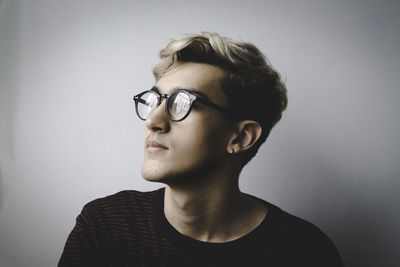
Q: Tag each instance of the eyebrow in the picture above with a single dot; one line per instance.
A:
(190, 90)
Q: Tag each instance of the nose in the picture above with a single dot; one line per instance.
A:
(158, 121)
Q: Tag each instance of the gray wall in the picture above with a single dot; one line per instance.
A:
(69, 134)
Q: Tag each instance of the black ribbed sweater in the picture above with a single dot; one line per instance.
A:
(130, 229)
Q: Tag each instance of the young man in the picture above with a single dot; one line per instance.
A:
(214, 103)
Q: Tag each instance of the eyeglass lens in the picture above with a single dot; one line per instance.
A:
(178, 105)
(146, 104)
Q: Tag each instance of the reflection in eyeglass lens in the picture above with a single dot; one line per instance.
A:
(180, 105)
(151, 103)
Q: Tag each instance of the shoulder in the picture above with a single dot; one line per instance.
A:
(122, 197)
(122, 203)
(300, 237)
(315, 246)
(293, 225)
(285, 225)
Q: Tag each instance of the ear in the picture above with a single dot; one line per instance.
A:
(247, 134)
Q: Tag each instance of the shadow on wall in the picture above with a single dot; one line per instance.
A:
(363, 238)
(10, 12)
(360, 237)
(5, 171)
(345, 201)
(1, 189)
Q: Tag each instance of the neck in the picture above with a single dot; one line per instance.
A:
(214, 210)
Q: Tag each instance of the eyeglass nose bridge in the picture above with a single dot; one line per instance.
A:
(160, 98)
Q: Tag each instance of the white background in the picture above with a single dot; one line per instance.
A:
(69, 133)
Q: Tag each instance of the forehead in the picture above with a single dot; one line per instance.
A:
(195, 76)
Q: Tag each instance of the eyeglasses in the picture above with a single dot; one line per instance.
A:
(178, 105)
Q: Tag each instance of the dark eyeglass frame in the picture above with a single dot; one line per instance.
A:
(193, 98)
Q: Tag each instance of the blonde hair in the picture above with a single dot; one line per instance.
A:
(254, 89)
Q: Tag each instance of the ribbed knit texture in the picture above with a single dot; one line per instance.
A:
(130, 229)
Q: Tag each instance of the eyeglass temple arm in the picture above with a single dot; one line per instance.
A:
(138, 99)
(210, 104)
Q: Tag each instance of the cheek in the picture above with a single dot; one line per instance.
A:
(204, 137)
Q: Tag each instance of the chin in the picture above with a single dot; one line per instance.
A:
(178, 169)
(152, 174)
(156, 173)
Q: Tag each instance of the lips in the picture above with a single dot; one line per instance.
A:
(155, 146)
